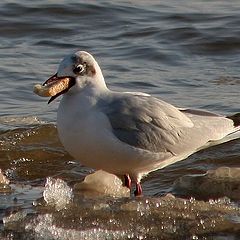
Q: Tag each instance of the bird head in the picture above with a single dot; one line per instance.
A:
(75, 72)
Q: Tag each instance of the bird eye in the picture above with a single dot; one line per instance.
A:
(78, 69)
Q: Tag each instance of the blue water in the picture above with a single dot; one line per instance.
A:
(185, 52)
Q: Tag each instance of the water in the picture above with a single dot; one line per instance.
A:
(185, 52)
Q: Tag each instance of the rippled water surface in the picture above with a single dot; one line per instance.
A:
(185, 52)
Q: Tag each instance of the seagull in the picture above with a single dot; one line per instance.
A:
(129, 134)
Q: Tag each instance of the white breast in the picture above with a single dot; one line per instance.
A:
(86, 134)
(78, 129)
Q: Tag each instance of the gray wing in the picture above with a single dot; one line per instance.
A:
(151, 124)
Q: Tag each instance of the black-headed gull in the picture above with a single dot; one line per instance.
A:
(124, 133)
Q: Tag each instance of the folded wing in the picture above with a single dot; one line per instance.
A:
(154, 125)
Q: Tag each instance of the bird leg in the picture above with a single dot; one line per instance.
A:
(138, 191)
(127, 181)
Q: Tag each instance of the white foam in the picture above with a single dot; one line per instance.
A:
(44, 228)
(57, 193)
(3, 178)
(19, 120)
(18, 216)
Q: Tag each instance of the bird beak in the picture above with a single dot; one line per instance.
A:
(54, 87)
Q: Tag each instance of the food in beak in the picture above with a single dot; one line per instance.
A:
(54, 87)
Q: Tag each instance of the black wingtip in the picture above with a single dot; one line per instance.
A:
(236, 119)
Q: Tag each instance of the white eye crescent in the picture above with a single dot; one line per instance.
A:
(78, 69)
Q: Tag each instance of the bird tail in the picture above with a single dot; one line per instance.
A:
(235, 134)
(231, 136)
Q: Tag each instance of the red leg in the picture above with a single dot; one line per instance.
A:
(128, 181)
(138, 191)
